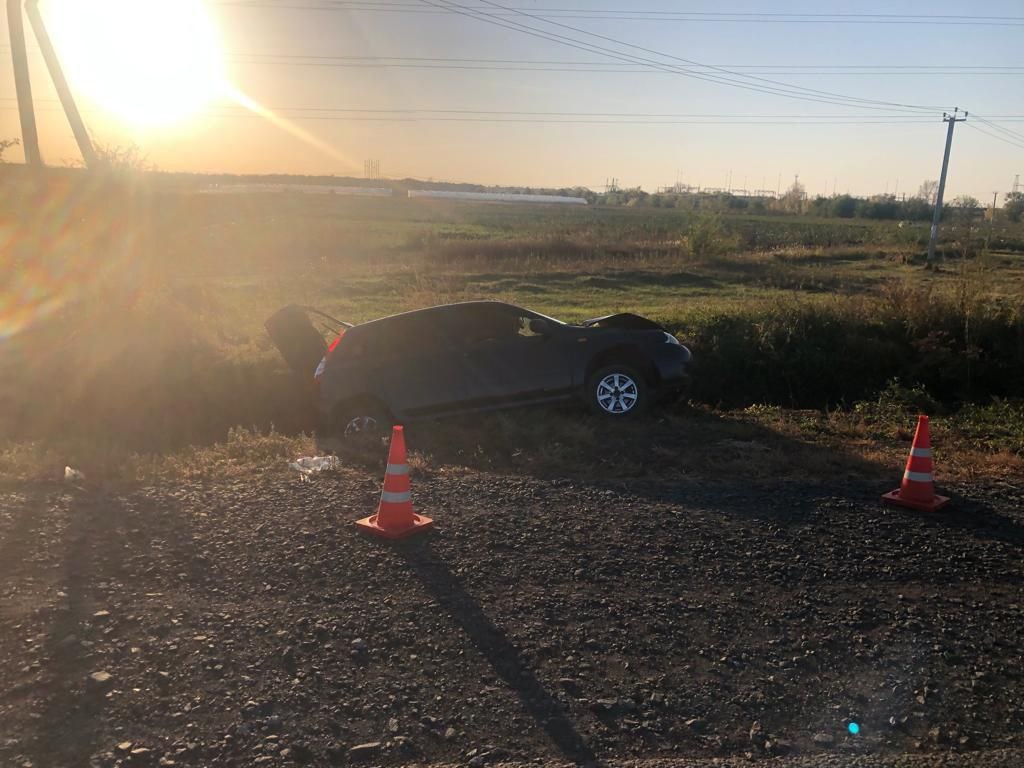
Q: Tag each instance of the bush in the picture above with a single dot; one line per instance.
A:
(823, 355)
(707, 237)
(844, 207)
(896, 400)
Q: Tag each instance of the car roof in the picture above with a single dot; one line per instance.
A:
(440, 308)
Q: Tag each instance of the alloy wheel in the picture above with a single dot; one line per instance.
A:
(617, 393)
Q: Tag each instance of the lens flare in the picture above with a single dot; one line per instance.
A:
(853, 728)
(67, 238)
(147, 62)
(244, 101)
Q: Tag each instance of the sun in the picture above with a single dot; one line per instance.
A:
(149, 63)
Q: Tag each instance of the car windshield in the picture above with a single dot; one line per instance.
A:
(540, 316)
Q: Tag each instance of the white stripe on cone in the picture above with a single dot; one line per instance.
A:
(397, 469)
(391, 497)
(921, 452)
(918, 477)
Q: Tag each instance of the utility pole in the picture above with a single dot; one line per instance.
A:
(950, 120)
(991, 221)
(22, 84)
(60, 83)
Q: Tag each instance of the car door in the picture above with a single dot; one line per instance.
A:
(505, 360)
(418, 367)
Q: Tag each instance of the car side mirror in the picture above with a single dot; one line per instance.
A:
(540, 327)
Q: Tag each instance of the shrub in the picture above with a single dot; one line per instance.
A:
(707, 237)
(821, 355)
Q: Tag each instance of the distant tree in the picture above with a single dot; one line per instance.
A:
(917, 209)
(1014, 206)
(966, 203)
(122, 159)
(6, 144)
(819, 206)
(844, 206)
(965, 210)
(928, 190)
(879, 207)
(793, 200)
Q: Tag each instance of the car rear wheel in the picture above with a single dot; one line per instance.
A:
(617, 391)
(360, 420)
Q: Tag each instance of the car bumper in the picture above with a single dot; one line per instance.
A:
(671, 364)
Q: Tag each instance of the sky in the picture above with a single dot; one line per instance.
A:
(333, 113)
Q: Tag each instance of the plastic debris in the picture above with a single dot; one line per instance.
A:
(73, 475)
(310, 465)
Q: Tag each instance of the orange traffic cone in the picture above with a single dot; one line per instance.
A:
(395, 518)
(917, 490)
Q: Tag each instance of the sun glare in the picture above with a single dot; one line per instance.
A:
(149, 63)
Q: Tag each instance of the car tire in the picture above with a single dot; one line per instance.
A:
(617, 392)
(360, 420)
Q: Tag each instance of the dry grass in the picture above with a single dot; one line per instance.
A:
(757, 445)
(145, 331)
(245, 452)
(959, 454)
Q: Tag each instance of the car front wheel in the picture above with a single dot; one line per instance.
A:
(617, 391)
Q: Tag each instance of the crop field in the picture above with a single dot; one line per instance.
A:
(150, 302)
(714, 582)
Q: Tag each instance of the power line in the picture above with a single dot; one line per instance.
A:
(894, 119)
(718, 69)
(655, 15)
(775, 88)
(515, 113)
(1018, 145)
(528, 65)
(570, 121)
(1012, 134)
(413, 116)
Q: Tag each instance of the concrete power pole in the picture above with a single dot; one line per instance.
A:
(60, 83)
(950, 120)
(991, 221)
(22, 84)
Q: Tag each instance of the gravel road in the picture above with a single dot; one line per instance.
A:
(649, 624)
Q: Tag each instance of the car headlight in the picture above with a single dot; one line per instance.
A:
(670, 339)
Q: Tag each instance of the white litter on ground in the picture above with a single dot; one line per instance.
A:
(72, 475)
(310, 465)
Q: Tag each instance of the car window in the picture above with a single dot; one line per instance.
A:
(481, 323)
(523, 327)
(409, 335)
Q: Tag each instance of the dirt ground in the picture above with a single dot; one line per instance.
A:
(629, 622)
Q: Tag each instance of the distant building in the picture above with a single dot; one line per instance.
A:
(497, 197)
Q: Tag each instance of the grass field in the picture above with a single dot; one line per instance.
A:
(133, 317)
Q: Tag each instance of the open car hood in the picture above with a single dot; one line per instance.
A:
(624, 321)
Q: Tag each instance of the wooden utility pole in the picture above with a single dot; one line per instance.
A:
(951, 120)
(22, 84)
